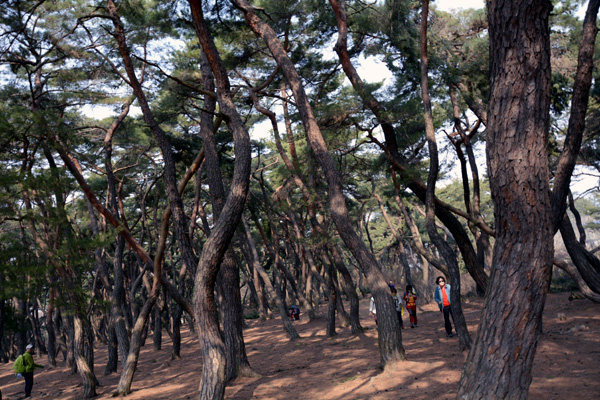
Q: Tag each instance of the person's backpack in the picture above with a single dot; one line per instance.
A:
(18, 366)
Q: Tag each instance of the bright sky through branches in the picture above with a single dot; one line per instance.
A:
(448, 5)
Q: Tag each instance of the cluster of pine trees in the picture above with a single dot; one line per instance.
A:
(164, 212)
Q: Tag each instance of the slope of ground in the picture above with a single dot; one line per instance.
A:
(346, 367)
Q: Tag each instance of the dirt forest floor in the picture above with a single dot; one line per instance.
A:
(347, 367)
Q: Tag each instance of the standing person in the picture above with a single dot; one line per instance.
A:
(398, 303)
(442, 297)
(30, 366)
(410, 298)
(372, 309)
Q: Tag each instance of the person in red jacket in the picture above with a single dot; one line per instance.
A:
(442, 297)
(410, 299)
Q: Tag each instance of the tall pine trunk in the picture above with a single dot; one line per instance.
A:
(213, 380)
(229, 276)
(501, 358)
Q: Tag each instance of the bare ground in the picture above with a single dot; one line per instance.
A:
(346, 367)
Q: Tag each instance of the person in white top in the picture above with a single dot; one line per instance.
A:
(372, 309)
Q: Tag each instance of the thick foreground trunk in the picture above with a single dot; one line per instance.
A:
(500, 361)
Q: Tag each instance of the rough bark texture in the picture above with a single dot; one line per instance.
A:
(390, 339)
(85, 370)
(500, 361)
(229, 276)
(214, 369)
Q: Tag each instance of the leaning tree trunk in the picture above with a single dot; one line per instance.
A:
(124, 386)
(500, 361)
(586, 262)
(390, 338)
(443, 247)
(271, 292)
(460, 236)
(349, 288)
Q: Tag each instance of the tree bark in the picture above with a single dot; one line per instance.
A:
(349, 289)
(500, 361)
(333, 299)
(214, 368)
(49, 329)
(229, 276)
(86, 371)
(576, 276)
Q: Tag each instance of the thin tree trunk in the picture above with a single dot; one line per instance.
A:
(262, 305)
(473, 208)
(124, 385)
(443, 247)
(274, 251)
(157, 334)
(576, 276)
(112, 363)
(332, 304)
(3, 352)
(349, 289)
(579, 105)
(271, 292)
(49, 329)
(587, 264)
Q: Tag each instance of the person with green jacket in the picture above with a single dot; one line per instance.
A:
(30, 366)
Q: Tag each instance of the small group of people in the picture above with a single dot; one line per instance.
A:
(409, 300)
